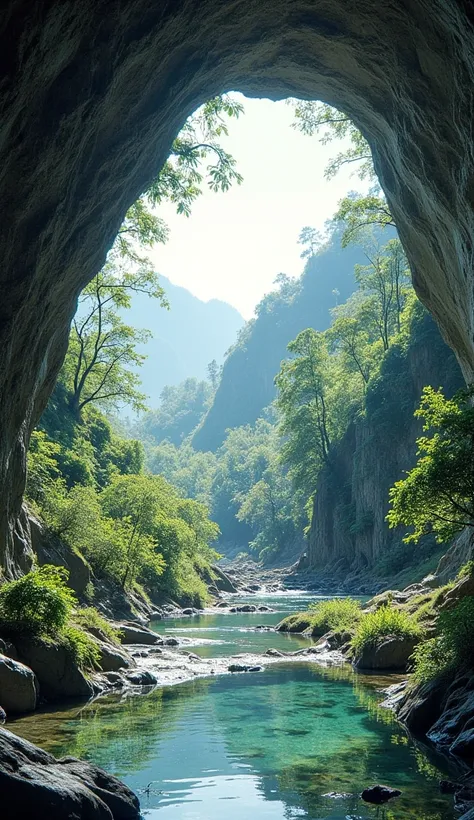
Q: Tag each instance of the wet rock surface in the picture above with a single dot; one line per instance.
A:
(35, 784)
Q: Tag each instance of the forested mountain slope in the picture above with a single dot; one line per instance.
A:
(349, 531)
(184, 339)
(247, 384)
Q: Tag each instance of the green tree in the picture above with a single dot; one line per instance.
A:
(356, 211)
(349, 338)
(214, 374)
(181, 179)
(303, 401)
(311, 240)
(133, 502)
(181, 408)
(102, 348)
(437, 495)
(384, 283)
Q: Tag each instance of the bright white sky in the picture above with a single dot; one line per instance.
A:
(235, 243)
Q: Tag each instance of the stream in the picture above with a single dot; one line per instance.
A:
(295, 740)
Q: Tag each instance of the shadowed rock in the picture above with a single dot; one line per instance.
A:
(18, 689)
(378, 795)
(36, 785)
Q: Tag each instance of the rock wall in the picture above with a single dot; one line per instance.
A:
(93, 93)
(348, 525)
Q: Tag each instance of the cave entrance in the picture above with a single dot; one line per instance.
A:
(92, 99)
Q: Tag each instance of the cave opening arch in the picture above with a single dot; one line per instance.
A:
(93, 94)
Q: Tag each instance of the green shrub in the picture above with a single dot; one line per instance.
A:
(467, 570)
(384, 623)
(38, 603)
(82, 647)
(89, 618)
(451, 649)
(338, 614)
(431, 659)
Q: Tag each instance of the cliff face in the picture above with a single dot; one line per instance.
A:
(348, 525)
(247, 385)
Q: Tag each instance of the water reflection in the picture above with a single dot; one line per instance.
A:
(270, 745)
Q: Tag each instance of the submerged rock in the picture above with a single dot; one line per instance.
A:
(18, 687)
(36, 785)
(378, 795)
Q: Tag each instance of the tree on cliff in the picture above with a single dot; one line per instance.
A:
(437, 495)
(356, 211)
(303, 401)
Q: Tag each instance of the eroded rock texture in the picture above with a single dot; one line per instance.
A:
(92, 94)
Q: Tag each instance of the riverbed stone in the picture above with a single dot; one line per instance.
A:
(136, 634)
(36, 785)
(112, 658)
(18, 686)
(141, 677)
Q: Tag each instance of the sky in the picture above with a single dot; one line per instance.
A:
(235, 243)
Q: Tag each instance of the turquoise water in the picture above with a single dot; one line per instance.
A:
(223, 634)
(270, 745)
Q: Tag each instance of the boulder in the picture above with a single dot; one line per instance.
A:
(53, 664)
(155, 615)
(35, 784)
(18, 687)
(112, 658)
(136, 634)
(141, 677)
(222, 581)
(169, 642)
(189, 611)
(421, 707)
(391, 653)
(114, 679)
(378, 795)
(240, 667)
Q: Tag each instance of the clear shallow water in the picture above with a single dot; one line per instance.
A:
(221, 634)
(263, 746)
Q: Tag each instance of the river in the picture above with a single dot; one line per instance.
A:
(291, 741)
